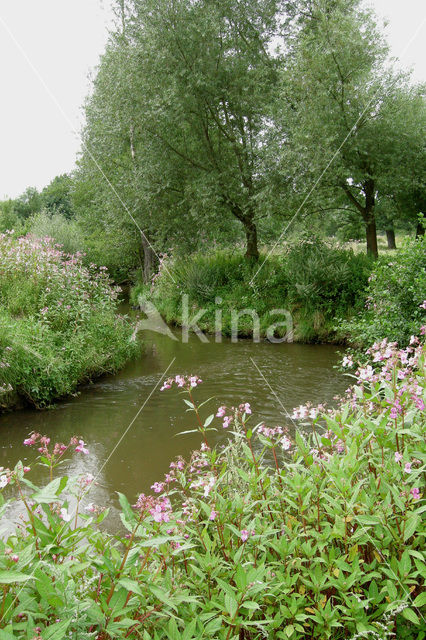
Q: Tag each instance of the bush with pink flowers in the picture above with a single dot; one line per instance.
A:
(311, 530)
(58, 321)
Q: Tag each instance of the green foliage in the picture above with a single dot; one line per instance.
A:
(176, 118)
(349, 118)
(58, 321)
(395, 292)
(326, 278)
(315, 535)
(312, 280)
(57, 196)
(63, 231)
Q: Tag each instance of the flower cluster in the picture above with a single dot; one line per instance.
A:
(276, 435)
(239, 413)
(159, 508)
(183, 382)
(66, 288)
(59, 448)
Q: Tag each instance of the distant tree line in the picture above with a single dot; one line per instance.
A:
(227, 121)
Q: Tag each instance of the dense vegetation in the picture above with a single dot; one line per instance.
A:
(316, 534)
(58, 322)
(394, 306)
(314, 281)
(234, 155)
(236, 123)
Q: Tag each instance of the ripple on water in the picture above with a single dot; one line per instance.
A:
(132, 451)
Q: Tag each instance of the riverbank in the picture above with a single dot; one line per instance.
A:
(298, 293)
(281, 534)
(59, 325)
(313, 292)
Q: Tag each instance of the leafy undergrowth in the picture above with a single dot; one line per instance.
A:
(58, 322)
(395, 304)
(280, 534)
(311, 280)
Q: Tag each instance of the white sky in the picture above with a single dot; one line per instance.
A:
(48, 48)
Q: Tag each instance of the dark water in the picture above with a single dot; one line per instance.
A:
(129, 453)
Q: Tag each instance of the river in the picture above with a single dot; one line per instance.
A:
(130, 427)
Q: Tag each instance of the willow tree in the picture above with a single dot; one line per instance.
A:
(204, 76)
(354, 128)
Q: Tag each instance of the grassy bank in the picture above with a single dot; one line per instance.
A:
(333, 294)
(314, 281)
(58, 323)
(313, 532)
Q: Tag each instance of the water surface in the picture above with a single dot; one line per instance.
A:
(131, 447)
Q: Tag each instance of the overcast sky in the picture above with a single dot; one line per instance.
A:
(49, 47)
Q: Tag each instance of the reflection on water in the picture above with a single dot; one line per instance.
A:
(103, 411)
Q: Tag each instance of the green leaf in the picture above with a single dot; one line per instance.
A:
(410, 615)
(231, 605)
(420, 601)
(209, 420)
(130, 585)
(128, 512)
(51, 491)
(189, 630)
(56, 631)
(410, 526)
(9, 577)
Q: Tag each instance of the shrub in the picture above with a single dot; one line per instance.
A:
(62, 230)
(395, 298)
(58, 321)
(325, 277)
(311, 280)
(315, 535)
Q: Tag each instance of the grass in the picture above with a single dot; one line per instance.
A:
(313, 281)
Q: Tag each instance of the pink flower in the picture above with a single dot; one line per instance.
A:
(213, 514)
(393, 412)
(27, 469)
(194, 380)
(81, 447)
(244, 535)
(398, 456)
(221, 412)
(15, 557)
(28, 442)
(166, 385)
(347, 361)
(158, 487)
(415, 493)
(285, 443)
(420, 404)
(407, 467)
(423, 305)
(180, 381)
(227, 422)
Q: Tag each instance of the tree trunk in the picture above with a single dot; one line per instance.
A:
(370, 219)
(390, 235)
(371, 236)
(148, 259)
(420, 231)
(252, 251)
